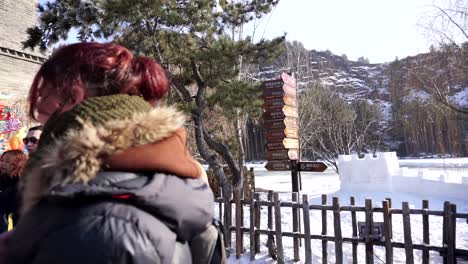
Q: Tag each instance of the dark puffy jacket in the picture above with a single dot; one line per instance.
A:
(116, 218)
(8, 200)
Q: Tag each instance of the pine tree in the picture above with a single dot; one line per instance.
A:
(192, 39)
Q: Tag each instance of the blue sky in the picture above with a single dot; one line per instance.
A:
(377, 29)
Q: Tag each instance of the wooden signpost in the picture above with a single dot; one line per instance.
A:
(281, 122)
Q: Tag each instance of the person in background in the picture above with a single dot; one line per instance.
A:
(12, 164)
(111, 180)
(32, 138)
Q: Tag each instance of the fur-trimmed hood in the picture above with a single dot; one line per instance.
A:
(80, 154)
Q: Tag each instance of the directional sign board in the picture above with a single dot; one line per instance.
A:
(284, 154)
(281, 113)
(280, 134)
(278, 165)
(312, 166)
(281, 123)
(279, 102)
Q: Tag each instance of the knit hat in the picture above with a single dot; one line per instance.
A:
(96, 110)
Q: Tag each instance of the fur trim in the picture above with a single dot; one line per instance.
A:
(77, 157)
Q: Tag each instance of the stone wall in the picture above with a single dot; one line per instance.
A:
(15, 17)
(16, 74)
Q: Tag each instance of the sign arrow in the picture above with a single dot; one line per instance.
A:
(314, 166)
(278, 165)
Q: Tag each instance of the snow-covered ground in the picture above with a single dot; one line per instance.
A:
(315, 184)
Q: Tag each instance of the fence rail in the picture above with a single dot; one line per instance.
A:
(275, 235)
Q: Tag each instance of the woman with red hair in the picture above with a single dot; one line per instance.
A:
(11, 168)
(111, 180)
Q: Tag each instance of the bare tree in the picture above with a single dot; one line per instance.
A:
(447, 26)
(331, 127)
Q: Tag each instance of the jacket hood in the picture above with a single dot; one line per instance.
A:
(80, 154)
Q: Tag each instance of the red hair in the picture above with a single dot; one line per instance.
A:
(18, 158)
(87, 69)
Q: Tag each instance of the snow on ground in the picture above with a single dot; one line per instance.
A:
(315, 184)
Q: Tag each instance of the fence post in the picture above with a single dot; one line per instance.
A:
(387, 231)
(279, 234)
(252, 225)
(220, 206)
(271, 238)
(239, 222)
(337, 228)
(390, 219)
(324, 230)
(228, 218)
(257, 223)
(453, 208)
(369, 227)
(307, 242)
(407, 233)
(448, 235)
(355, 235)
(295, 226)
(426, 241)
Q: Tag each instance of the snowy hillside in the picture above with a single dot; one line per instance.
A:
(401, 89)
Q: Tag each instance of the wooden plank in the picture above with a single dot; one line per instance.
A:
(306, 217)
(271, 239)
(449, 236)
(425, 221)
(238, 215)
(352, 201)
(279, 238)
(252, 226)
(257, 222)
(337, 228)
(387, 232)
(407, 233)
(324, 230)
(295, 220)
(369, 227)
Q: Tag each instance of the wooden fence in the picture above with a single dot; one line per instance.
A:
(448, 250)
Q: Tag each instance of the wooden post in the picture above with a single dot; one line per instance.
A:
(425, 218)
(220, 206)
(324, 230)
(407, 233)
(257, 223)
(390, 220)
(448, 235)
(252, 225)
(295, 219)
(271, 238)
(239, 221)
(307, 242)
(369, 227)
(337, 228)
(355, 234)
(453, 208)
(387, 231)
(279, 234)
(228, 218)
